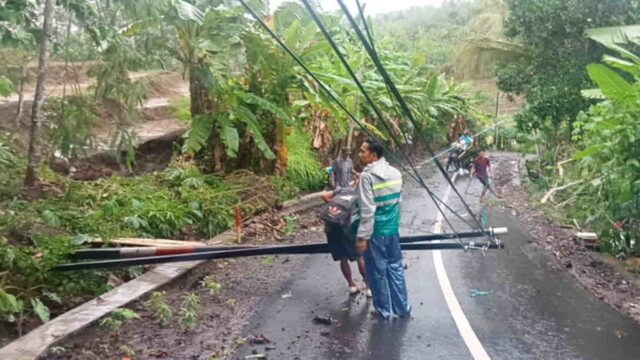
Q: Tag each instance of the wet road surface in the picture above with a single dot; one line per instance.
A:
(530, 312)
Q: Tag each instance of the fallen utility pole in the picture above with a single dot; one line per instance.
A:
(317, 248)
(407, 243)
(133, 252)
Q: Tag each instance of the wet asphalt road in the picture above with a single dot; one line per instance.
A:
(532, 311)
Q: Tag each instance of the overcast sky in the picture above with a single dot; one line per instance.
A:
(373, 6)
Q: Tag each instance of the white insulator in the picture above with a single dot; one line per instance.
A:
(500, 231)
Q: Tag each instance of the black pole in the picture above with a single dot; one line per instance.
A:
(272, 250)
(131, 252)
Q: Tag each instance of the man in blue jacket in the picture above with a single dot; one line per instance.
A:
(379, 195)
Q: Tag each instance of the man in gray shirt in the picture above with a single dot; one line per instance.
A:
(342, 170)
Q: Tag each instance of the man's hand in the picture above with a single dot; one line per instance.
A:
(333, 210)
(327, 196)
(361, 245)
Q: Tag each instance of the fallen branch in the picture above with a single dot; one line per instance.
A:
(273, 227)
(559, 205)
(587, 236)
(550, 193)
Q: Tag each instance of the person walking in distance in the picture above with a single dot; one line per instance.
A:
(379, 195)
(481, 168)
(342, 170)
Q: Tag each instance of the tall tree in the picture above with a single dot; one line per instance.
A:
(40, 96)
(18, 27)
(552, 71)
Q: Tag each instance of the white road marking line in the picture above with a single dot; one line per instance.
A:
(464, 328)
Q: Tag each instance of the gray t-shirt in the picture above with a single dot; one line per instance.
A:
(342, 170)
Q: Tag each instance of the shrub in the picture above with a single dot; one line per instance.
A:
(303, 169)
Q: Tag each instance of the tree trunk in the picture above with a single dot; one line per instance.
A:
(201, 105)
(197, 94)
(495, 120)
(23, 79)
(39, 97)
(350, 134)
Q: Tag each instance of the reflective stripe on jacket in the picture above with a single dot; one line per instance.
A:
(380, 193)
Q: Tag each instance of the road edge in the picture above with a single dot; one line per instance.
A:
(35, 343)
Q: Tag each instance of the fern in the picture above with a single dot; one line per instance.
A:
(7, 159)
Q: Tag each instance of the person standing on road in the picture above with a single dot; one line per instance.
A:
(481, 168)
(341, 217)
(327, 171)
(379, 194)
(342, 170)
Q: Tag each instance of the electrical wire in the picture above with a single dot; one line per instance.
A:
(334, 98)
(374, 57)
(373, 106)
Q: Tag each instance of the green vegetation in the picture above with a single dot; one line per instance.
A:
(585, 139)
(260, 129)
(303, 168)
(213, 287)
(551, 69)
(178, 202)
(117, 317)
(189, 310)
(434, 31)
(582, 142)
(609, 144)
(162, 312)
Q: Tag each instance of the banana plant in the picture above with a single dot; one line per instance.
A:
(610, 143)
(208, 38)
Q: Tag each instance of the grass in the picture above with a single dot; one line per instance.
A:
(303, 168)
